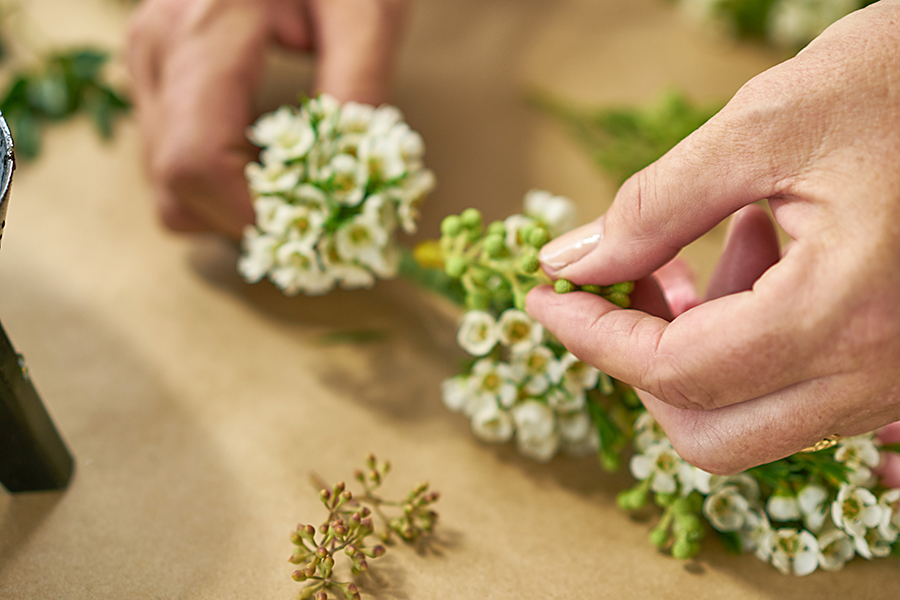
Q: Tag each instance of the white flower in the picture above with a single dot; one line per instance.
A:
(783, 507)
(791, 550)
(889, 526)
(345, 177)
(355, 117)
(854, 511)
(382, 157)
(298, 222)
(877, 544)
(565, 400)
(745, 483)
(490, 423)
(754, 534)
(556, 213)
(273, 178)
(647, 432)
(383, 119)
(726, 508)
(285, 134)
(533, 367)
(536, 435)
(477, 334)
(264, 208)
(518, 331)
(813, 503)
(297, 269)
(379, 209)
(835, 548)
(259, 254)
(661, 465)
(573, 373)
(455, 393)
(362, 239)
(410, 197)
(861, 454)
(514, 225)
(575, 427)
(494, 380)
(349, 275)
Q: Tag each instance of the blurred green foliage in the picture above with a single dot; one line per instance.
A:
(66, 83)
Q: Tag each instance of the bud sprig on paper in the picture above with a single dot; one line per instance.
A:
(349, 525)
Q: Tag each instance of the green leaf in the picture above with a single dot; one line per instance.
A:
(86, 64)
(49, 94)
(731, 540)
(26, 133)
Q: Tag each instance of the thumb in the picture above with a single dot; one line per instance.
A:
(721, 167)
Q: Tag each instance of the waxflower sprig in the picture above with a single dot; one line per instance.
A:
(813, 510)
(349, 525)
(522, 383)
(332, 186)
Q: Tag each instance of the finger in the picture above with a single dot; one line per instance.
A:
(721, 352)
(738, 157)
(890, 470)
(679, 286)
(890, 434)
(356, 41)
(751, 247)
(648, 297)
(207, 84)
(735, 438)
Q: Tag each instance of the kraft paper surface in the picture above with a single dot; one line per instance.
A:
(197, 406)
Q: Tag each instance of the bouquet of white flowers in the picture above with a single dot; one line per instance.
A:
(333, 184)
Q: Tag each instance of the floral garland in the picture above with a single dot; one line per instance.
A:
(811, 510)
(333, 184)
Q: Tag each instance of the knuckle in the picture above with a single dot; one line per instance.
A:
(703, 446)
(668, 381)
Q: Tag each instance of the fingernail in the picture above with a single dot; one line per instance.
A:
(571, 246)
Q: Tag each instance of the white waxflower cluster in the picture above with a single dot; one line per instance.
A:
(333, 184)
(789, 23)
(521, 388)
(821, 529)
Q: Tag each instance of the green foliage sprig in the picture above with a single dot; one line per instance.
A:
(349, 525)
(622, 141)
(65, 83)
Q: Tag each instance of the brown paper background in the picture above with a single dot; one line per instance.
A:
(197, 405)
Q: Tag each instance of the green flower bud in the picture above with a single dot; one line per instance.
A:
(659, 536)
(477, 301)
(564, 286)
(525, 232)
(497, 228)
(684, 549)
(681, 506)
(456, 266)
(664, 499)
(529, 263)
(306, 593)
(479, 275)
(689, 526)
(626, 287)
(619, 299)
(610, 461)
(494, 245)
(538, 237)
(591, 289)
(471, 218)
(451, 226)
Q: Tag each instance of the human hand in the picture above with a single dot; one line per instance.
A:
(196, 66)
(789, 350)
